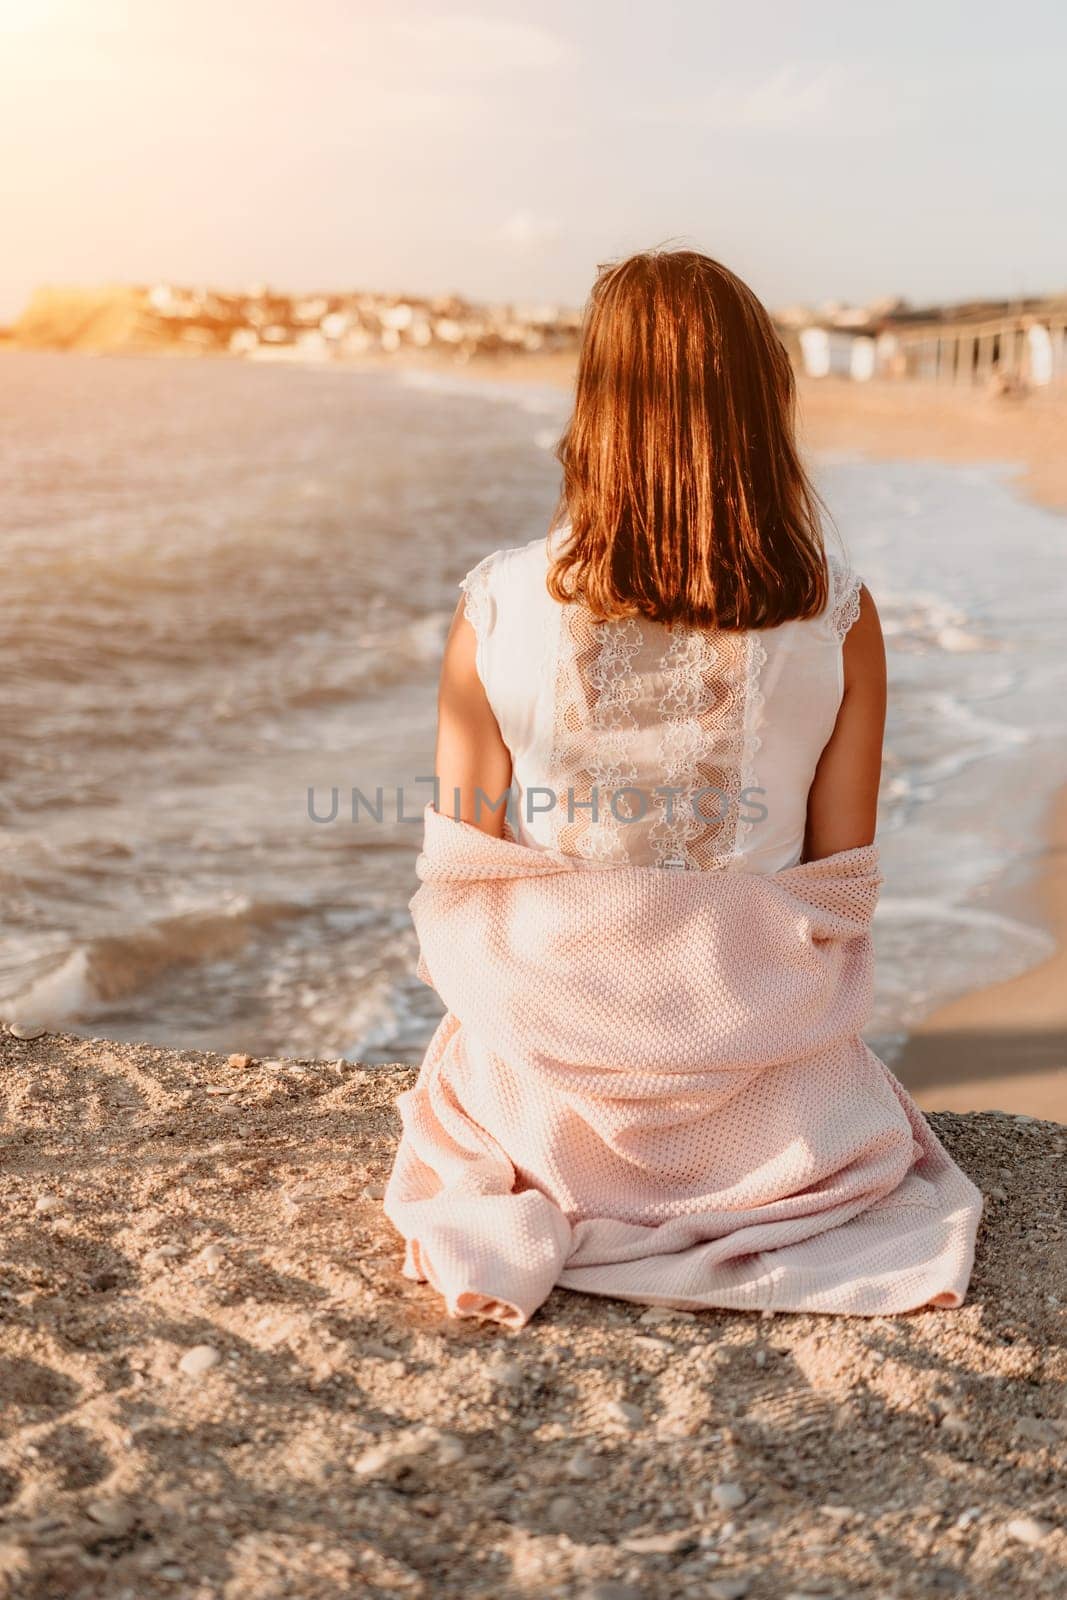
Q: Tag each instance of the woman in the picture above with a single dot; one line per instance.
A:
(650, 1083)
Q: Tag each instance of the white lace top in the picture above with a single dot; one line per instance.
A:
(639, 743)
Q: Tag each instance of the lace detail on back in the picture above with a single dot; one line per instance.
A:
(755, 662)
(664, 712)
(595, 691)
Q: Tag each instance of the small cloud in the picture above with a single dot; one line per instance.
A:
(523, 230)
(796, 97)
(475, 45)
(792, 97)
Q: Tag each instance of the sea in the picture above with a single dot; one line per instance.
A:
(226, 588)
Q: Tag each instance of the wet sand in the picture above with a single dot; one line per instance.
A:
(890, 421)
(1005, 1044)
(215, 1383)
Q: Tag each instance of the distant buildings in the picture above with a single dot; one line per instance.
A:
(268, 326)
(1010, 342)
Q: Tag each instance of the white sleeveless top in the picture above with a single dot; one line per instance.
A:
(645, 744)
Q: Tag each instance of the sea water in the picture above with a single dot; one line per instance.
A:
(227, 585)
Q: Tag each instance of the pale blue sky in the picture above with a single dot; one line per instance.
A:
(822, 149)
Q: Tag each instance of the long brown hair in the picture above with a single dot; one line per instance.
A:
(682, 484)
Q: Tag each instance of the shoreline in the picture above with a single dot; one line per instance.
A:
(959, 1057)
(1001, 1045)
(884, 419)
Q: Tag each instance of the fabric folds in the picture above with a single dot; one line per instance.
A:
(651, 1085)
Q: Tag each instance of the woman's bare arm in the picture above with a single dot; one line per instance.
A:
(843, 801)
(470, 754)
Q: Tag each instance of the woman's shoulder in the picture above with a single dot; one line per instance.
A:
(507, 558)
(495, 575)
(843, 601)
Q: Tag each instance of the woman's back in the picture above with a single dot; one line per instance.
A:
(649, 1083)
(647, 744)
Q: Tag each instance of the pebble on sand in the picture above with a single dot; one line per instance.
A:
(729, 1588)
(200, 1359)
(46, 1204)
(649, 1341)
(26, 1030)
(661, 1544)
(114, 1515)
(504, 1374)
(161, 1253)
(238, 1061)
(621, 1411)
(728, 1496)
(394, 1454)
(1028, 1530)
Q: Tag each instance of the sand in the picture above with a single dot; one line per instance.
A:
(1007, 1042)
(348, 1439)
(913, 420)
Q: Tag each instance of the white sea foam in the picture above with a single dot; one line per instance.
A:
(536, 399)
(920, 910)
(56, 996)
(962, 572)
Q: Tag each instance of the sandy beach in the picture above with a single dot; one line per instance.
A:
(217, 1385)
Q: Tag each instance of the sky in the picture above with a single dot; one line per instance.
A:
(823, 150)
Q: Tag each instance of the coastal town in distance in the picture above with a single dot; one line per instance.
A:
(1016, 343)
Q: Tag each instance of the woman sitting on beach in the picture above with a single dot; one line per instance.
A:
(656, 956)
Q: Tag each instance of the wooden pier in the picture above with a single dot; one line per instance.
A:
(1017, 343)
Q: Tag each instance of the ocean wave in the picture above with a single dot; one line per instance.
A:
(111, 968)
(537, 399)
(919, 620)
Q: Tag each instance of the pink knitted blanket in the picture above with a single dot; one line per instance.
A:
(651, 1085)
